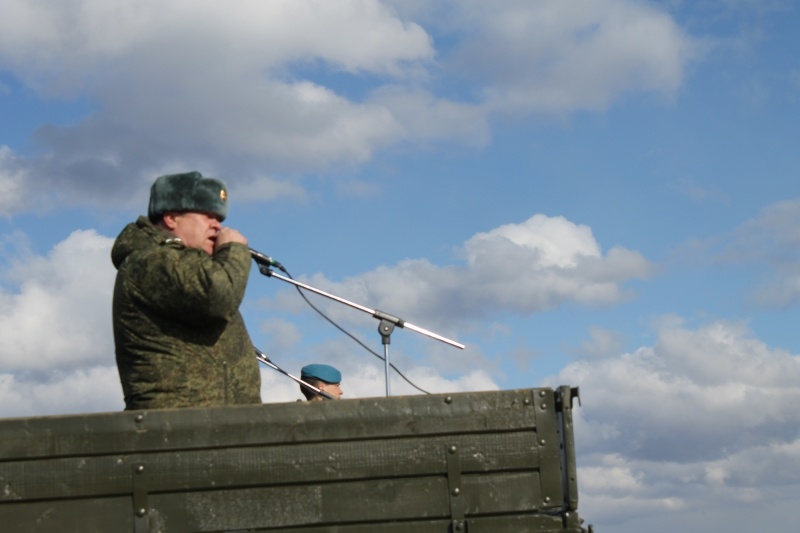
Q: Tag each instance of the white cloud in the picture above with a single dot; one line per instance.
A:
(207, 63)
(369, 380)
(769, 239)
(774, 237)
(261, 188)
(247, 84)
(66, 40)
(276, 388)
(281, 334)
(525, 268)
(557, 242)
(603, 343)
(424, 117)
(706, 414)
(551, 56)
(701, 193)
(13, 198)
(83, 390)
(61, 316)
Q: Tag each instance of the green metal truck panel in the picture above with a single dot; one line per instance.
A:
(494, 462)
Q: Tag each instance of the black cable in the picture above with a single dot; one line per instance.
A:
(337, 326)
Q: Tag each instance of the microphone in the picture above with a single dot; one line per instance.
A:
(265, 260)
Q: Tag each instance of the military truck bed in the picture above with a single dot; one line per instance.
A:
(474, 462)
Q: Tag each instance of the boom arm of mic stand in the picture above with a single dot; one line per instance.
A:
(377, 314)
(261, 356)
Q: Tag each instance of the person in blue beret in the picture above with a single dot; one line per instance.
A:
(324, 377)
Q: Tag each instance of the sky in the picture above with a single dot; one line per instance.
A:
(602, 194)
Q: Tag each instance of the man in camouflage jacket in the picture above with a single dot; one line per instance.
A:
(180, 338)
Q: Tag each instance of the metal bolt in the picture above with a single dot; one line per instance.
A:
(459, 526)
(456, 491)
(139, 418)
(141, 511)
(541, 441)
(547, 499)
(448, 399)
(452, 449)
(139, 469)
(544, 406)
(542, 393)
(526, 401)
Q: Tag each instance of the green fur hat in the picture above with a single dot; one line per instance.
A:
(189, 191)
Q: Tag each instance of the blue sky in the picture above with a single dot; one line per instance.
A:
(594, 193)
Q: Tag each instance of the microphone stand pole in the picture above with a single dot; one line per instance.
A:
(261, 356)
(385, 327)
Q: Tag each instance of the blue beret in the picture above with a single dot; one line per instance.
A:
(325, 373)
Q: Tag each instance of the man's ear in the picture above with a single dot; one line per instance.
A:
(169, 220)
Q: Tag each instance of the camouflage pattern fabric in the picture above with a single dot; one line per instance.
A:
(180, 339)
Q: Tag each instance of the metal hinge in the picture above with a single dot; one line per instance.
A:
(141, 522)
(458, 523)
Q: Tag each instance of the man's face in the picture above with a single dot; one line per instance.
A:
(196, 230)
(331, 388)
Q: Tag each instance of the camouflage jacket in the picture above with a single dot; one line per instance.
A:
(180, 339)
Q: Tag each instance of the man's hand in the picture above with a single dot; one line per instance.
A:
(227, 235)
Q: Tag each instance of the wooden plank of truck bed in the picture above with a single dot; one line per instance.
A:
(489, 461)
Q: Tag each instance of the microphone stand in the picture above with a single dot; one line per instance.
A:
(385, 327)
(261, 356)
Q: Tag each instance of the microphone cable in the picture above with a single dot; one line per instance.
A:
(337, 326)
